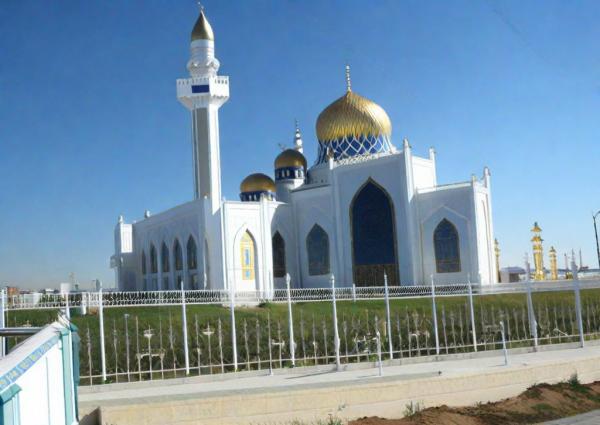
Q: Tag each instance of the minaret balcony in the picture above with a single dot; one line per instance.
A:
(200, 91)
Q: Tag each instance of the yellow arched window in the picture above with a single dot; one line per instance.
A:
(247, 252)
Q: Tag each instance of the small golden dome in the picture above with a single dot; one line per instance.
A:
(202, 29)
(352, 115)
(290, 158)
(257, 182)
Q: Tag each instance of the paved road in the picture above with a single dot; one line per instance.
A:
(590, 418)
(315, 392)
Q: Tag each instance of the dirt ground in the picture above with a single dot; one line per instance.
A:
(538, 404)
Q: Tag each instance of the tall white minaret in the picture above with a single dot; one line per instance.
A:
(298, 139)
(203, 94)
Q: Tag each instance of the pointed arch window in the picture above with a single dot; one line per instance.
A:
(178, 254)
(447, 248)
(192, 258)
(153, 260)
(278, 246)
(143, 262)
(317, 248)
(164, 258)
(247, 256)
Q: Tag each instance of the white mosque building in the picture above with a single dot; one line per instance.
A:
(364, 208)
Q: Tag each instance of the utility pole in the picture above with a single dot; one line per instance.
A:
(596, 232)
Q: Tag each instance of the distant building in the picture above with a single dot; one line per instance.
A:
(12, 291)
(511, 274)
(65, 287)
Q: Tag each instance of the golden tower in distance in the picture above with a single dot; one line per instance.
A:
(553, 264)
(497, 252)
(538, 252)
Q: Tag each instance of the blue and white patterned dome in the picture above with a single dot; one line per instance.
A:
(353, 126)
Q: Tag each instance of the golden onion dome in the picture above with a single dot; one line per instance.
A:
(290, 158)
(202, 29)
(257, 182)
(352, 115)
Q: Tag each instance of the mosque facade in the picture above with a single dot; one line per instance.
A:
(366, 208)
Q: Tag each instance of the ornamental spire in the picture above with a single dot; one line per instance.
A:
(348, 81)
(202, 29)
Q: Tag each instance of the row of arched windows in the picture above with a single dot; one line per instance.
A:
(317, 249)
(284, 173)
(192, 257)
(445, 242)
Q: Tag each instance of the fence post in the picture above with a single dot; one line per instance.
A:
(336, 335)
(67, 307)
(379, 359)
(577, 301)
(233, 334)
(504, 350)
(101, 317)
(185, 332)
(84, 303)
(472, 311)
(353, 292)
(434, 313)
(531, 314)
(290, 320)
(2, 324)
(387, 315)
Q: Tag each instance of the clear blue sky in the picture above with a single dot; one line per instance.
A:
(90, 126)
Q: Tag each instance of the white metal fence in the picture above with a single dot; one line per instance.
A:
(166, 340)
(222, 296)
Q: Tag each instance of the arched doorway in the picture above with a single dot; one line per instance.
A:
(373, 237)
(247, 262)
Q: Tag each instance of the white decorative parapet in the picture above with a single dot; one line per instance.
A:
(439, 187)
(85, 300)
(194, 90)
(37, 383)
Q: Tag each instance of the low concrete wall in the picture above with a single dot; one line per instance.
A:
(387, 396)
(37, 385)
